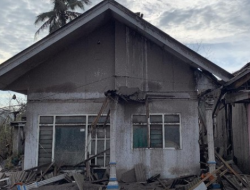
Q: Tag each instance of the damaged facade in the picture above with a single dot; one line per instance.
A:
(148, 80)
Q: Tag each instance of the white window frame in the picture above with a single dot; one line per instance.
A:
(163, 130)
(105, 139)
(87, 137)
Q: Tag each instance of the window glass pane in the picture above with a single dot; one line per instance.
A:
(44, 127)
(92, 147)
(107, 146)
(107, 131)
(69, 145)
(171, 119)
(107, 161)
(70, 119)
(45, 145)
(93, 133)
(100, 161)
(102, 119)
(100, 146)
(156, 136)
(93, 161)
(140, 136)
(46, 119)
(155, 119)
(100, 132)
(139, 119)
(172, 136)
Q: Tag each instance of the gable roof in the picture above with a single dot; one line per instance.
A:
(29, 58)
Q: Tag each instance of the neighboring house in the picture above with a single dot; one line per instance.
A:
(151, 81)
(233, 119)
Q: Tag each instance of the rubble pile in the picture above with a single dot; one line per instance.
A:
(83, 176)
(42, 177)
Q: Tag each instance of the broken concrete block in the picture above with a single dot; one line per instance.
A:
(129, 176)
(140, 173)
(202, 186)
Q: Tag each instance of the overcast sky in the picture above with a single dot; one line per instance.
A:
(217, 29)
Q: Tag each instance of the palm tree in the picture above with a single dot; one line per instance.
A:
(61, 14)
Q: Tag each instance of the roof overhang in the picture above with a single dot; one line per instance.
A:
(36, 54)
(238, 80)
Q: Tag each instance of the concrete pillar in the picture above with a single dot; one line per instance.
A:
(210, 133)
(113, 183)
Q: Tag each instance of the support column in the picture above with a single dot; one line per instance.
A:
(113, 183)
(210, 133)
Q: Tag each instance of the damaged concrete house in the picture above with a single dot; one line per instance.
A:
(145, 83)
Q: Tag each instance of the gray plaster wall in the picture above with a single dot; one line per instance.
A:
(241, 136)
(167, 162)
(141, 63)
(109, 57)
(87, 65)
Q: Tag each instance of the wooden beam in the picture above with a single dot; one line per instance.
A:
(205, 178)
(231, 169)
(237, 96)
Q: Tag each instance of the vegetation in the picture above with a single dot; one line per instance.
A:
(13, 111)
(63, 12)
(5, 137)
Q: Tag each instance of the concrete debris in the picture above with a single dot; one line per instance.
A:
(51, 174)
(224, 177)
(140, 173)
(52, 177)
(79, 178)
(201, 186)
(153, 178)
(129, 176)
(45, 182)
